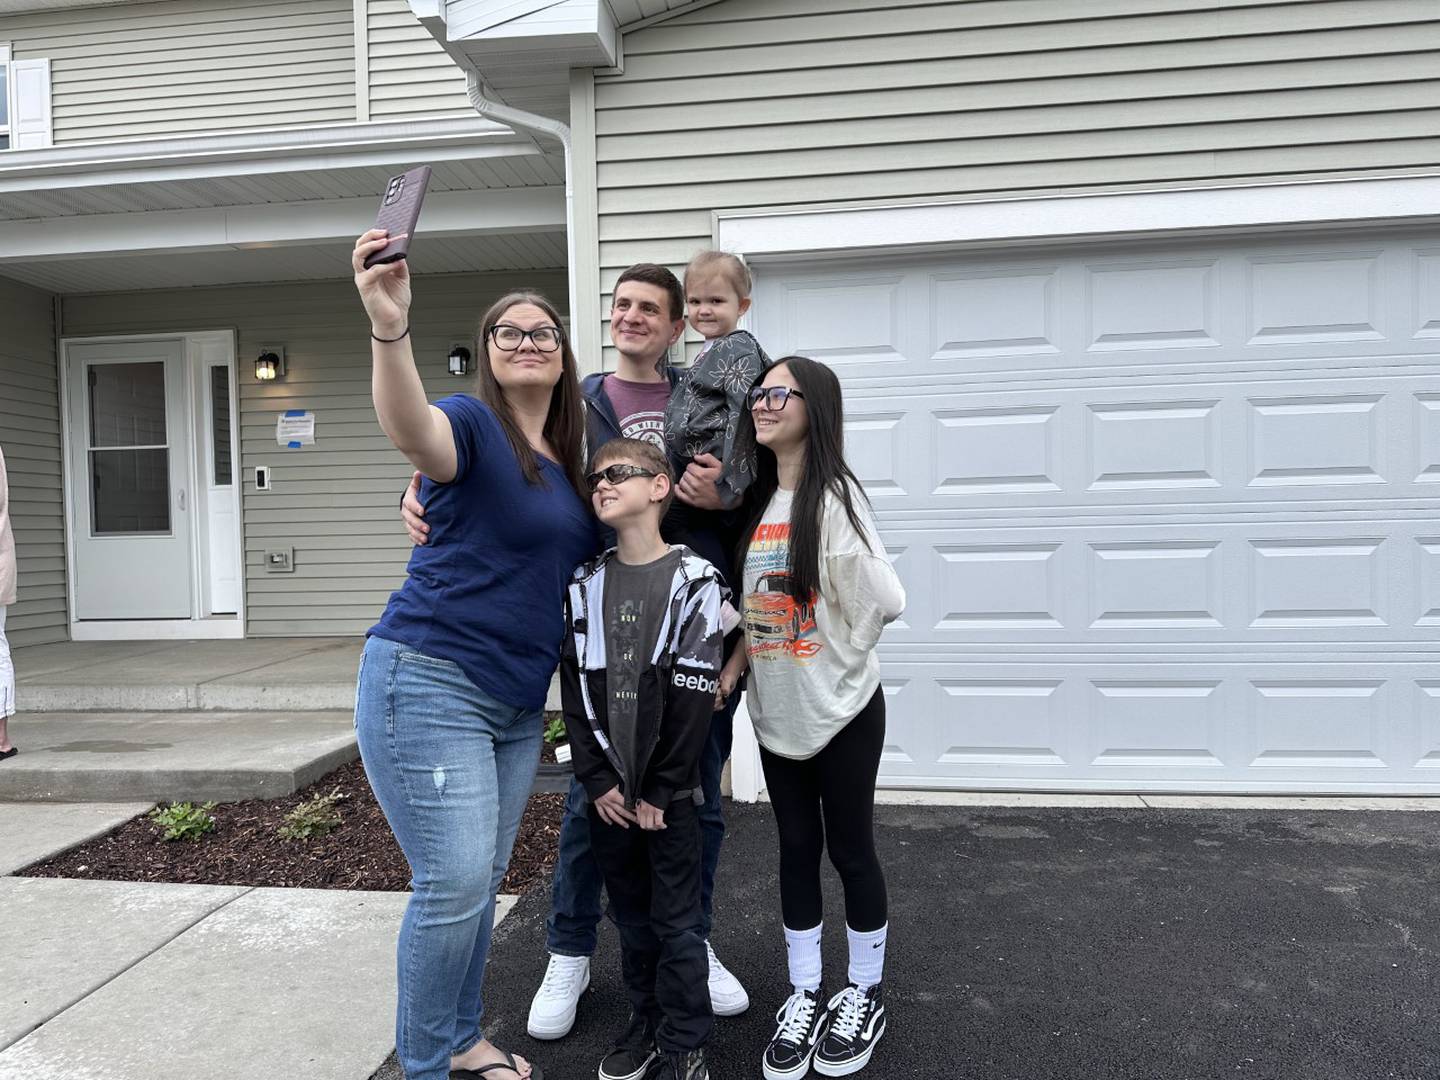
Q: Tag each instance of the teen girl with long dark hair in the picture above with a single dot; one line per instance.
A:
(454, 675)
(818, 591)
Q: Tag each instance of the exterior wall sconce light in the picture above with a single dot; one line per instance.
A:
(270, 364)
(459, 360)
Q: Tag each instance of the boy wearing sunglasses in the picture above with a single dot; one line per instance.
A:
(639, 667)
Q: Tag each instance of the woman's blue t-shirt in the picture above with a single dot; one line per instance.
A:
(487, 590)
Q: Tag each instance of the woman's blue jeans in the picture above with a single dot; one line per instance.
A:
(452, 769)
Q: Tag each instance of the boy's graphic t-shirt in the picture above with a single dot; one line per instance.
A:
(640, 407)
(634, 606)
(812, 660)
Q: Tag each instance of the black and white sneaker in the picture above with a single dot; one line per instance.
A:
(634, 1053)
(801, 1022)
(857, 1020)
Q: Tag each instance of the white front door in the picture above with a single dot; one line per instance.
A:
(131, 461)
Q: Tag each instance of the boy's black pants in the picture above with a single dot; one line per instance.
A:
(653, 879)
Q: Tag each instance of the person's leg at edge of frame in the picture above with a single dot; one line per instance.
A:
(427, 753)
(572, 927)
(848, 768)
(517, 755)
(7, 690)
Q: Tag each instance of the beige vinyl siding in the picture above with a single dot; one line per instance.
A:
(336, 502)
(30, 436)
(410, 75)
(769, 103)
(181, 66)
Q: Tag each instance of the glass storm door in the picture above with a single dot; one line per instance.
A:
(131, 457)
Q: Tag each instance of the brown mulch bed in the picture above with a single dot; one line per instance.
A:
(244, 849)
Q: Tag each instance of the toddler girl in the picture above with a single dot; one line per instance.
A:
(706, 409)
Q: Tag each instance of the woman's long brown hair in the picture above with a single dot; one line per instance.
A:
(564, 423)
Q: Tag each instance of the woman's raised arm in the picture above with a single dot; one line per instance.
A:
(419, 430)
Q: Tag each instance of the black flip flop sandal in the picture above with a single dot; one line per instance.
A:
(9, 753)
(536, 1073)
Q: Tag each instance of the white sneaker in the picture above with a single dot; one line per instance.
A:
(552, 1013)
(727, 996)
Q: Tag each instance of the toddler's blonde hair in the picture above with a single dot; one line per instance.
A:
(721, 264)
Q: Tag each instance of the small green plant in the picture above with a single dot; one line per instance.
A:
(184, 821)
(314, 817)
(554, 727)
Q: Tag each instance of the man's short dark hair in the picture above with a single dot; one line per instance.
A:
(652, 274)
(640, 452)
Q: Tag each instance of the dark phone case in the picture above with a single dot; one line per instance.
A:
(399, 213)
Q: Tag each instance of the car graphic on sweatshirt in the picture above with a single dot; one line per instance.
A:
(776, 621)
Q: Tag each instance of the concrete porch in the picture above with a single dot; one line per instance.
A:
(300, 674)
(223, 720)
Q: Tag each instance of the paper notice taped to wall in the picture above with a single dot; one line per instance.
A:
(295, 428)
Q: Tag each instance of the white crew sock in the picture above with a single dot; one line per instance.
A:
(802, 949)
(867, 956)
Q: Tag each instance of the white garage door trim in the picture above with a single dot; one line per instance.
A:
(1250, 208)
(819, 235)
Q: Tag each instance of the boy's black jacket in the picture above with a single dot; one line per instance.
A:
(676, 687)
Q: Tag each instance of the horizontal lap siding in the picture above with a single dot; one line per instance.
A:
(191, 66)
(410, 75)
(30, 437)
(768, 103)
(336, 502)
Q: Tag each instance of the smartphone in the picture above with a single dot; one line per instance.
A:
(399, 213)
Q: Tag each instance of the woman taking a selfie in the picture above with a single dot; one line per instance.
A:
(454, 675)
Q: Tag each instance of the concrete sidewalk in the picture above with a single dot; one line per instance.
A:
(30, 832)
(171, 982)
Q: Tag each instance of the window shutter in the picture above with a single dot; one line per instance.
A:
(30, 110)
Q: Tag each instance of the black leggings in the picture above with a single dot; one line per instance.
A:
(831, 795)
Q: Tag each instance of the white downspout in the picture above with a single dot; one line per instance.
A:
(543, 125)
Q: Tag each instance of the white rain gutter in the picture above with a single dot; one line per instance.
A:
(491, 109)
(277, 149)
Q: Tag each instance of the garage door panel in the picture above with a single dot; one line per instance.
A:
(1176, 585)
(1253, 442)
(1209, 306)
(1315, 298)
(1207, 727)
(1164, 512)
(1153, 304)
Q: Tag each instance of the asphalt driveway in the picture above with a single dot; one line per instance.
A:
(1098, 944)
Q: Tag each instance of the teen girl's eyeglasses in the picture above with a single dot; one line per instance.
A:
(775, 396)
(545, 338)
(616, 475)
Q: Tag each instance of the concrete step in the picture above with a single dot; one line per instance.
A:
(225, 756)
(289, 674)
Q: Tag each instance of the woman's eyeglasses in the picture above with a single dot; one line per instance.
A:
(616, 475)
(545, 338)
(775, 397)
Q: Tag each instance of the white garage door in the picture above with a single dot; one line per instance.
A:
(1166, 514)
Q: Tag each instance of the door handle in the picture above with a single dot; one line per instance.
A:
(182, 498)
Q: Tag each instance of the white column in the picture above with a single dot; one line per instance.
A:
(747, 781)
